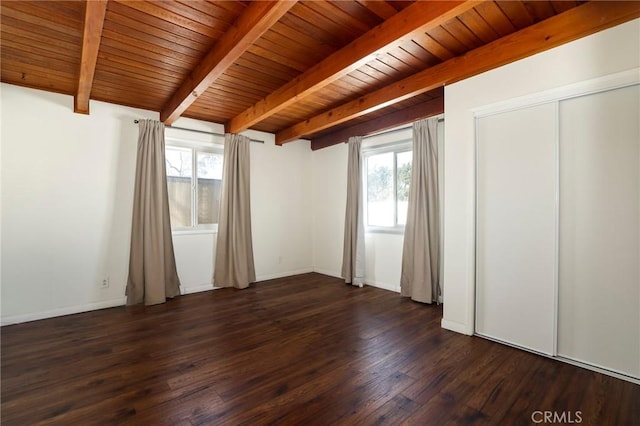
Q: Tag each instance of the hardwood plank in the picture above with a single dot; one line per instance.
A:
(256, 19)
(93, 22)
(573, 24)
(295, 350)
(417, 18)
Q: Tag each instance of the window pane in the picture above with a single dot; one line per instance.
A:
(209, 182)
(380, 208)
(179, 165)
(403, 164)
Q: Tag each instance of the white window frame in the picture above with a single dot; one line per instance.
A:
(195, 146)
(397, 147)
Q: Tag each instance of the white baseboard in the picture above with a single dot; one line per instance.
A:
(456, 326)
(327, 272)
(266, 277)
(68, 310)
(197, 289)
(384, 286)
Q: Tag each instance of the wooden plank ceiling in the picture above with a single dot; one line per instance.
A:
(316, 69)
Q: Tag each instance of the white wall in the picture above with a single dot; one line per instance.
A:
(329, 192)
(67, 196)
(610, 51)
(383, 251)
(280, 202)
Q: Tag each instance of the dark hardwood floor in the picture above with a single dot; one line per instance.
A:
(300, 350)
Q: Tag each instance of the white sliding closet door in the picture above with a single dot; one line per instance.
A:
(516, 222)
(599, 256)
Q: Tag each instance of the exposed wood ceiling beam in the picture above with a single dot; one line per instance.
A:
(379, 124)
(419, 17)
(93, 22)
(578, 22)
(254, 21)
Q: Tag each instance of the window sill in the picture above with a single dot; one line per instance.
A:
(193, 231)
(382, 230)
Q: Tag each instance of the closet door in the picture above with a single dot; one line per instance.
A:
(515, 227)
(599, 256)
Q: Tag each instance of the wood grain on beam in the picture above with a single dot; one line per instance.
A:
(379, 124)
(254, 21)
(578, 22)
(93, 21)
(419, 17)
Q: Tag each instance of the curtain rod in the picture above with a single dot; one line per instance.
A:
(204, 132)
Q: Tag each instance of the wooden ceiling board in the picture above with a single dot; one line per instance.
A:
(540, 9)
(275, 70)
(35, 43)
(29, 54)
(227, 8)
(119, 10)
(407, 57)
(420, 53)
(506, 16)
(433, 47)
(260, 76)
(213, 18)
(284, 35)
(297, 23)
(161, 10)
(462, 33)
(130, 29)
(118, 55)
(563, 5)
(343, 22)
(37, 77)
(381, 9)
(448, 41)
(480, 28)
(178, 54)
(151, 50)
(332, 33)
(60, 13)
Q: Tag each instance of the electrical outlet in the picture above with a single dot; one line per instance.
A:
(104, 283)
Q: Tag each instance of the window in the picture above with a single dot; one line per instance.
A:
(194, 178)
(387, 181)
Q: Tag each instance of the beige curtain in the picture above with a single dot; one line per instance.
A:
(421, 250)
(152, 267)
(353, 262)
(234, 265)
